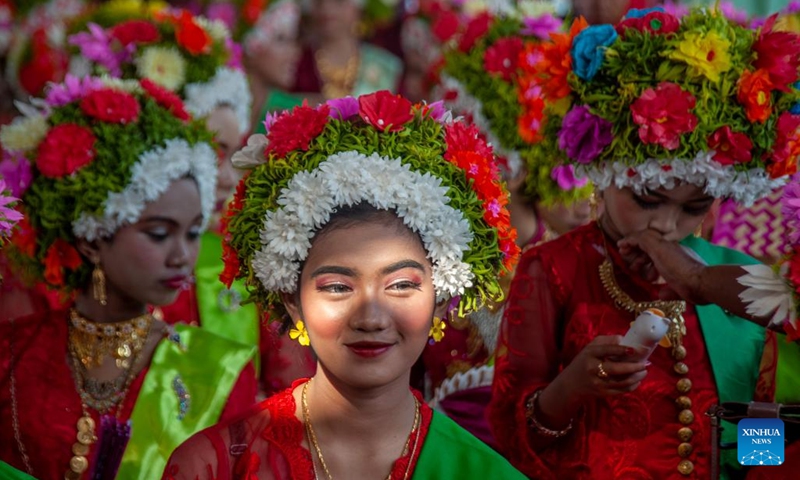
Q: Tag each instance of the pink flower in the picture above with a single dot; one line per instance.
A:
(96, 46)
(503, 56)
(343, 108)
(564, 176)
(541, 27)
(72, 89)
(15, 169)
(8, 216)
(664, 114)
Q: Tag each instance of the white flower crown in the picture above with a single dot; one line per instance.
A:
(152, 175)
(348, 178)
(716, 179)
(227, 87)
(466, 103)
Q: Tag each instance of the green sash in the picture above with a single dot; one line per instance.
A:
(220, 311)
(379, 70)
(276, 101)
(452, 453)
(7, 472)
(208, 367)
(735, 357)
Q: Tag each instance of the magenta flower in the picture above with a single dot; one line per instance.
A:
(8, 216)
(541, 27)
(96, 46)
(224, 12)
(584, 135)
(343, 108)
(71, 89)
(15, 169)
(270, 120)
(438, 112)
(235, 60)
(564, 176)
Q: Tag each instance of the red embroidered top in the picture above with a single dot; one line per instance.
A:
(556, 306)
(266, 442)
(47, 402)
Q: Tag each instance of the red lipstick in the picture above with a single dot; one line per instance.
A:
(369, 349)
(177, 282)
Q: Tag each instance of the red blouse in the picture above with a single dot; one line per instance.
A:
(267, 442)
(47, 401)
(556, 306)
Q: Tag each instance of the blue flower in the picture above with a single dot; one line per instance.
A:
(589, 49)
(642, 12)
(795, 110)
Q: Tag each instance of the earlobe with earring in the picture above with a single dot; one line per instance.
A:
(698, 232)
(300, 333)
(99, 285)
(437, 329)
(593, 201)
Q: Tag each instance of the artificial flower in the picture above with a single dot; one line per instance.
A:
(459, 137)
(24, 133)
(60, 256)
(778, 53)
(191, 36)
(165, 98)
(583, 135)
(755, 94)
(529, 124)
(555, 61)
(730, 147)
(163, 65)
(15, 169)
(342, 108)
(664, 114)
(137, 32)
(66, 149)
(541, 26)
(654, 22)
(502, 57)
(786, 148)
(445, 25)
(589, 49)
(222, 12)
(110, 105)
(564, 176)
(706, 54)
(296, 129)
(437, 329)
(510, 251)
(95, 45)
(232, 266)
(438, 112)
(24, 237)
(71, 89)
(385, 111)
(47, 64)
(300, 334)
(476, 28)
(8, 216)
(252, 10)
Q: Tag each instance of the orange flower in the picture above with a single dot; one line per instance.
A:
(755, 95)
(59, 256)
(555, 63)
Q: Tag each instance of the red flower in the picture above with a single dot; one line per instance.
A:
(476, 28)
(510, 250)
(664, 114)
(46, 65)
(296, 129)
(654, 22)
(794, 269)
(24, 237)
(462, 137)
(165, 98)
(779, 54)
(140, 32)
(755, 95)
(502, 57)
(109, 105)
(786, 148)
(730, 147)
(190, 35)
(60, 256)
(445, 25)
(232, 266)
(252, 10)
(385, 111)
(66, 149)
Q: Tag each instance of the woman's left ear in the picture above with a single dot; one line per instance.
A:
(292, 306)
(440, 310)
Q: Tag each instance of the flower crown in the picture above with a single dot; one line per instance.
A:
(188, 55)
(100, 150)
(486, 77)
(437, 175)
(659, 100)
(281, 17)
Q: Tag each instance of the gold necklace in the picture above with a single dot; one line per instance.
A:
(313, 437)
(92, 341)
(337, 81)
(673, 309)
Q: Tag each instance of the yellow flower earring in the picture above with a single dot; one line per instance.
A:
(300, 334)
(437, 329)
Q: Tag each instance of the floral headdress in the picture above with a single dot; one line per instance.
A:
(8, 216)
(437, 175)
(97, 152)
(280, 17)
(486, 76)
(188, 55)
(38, 51)
(658, 100)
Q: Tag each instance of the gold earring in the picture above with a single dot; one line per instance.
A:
(593, 201)
(437, 329)
(99, 285)
(300, 334)
(698, 232)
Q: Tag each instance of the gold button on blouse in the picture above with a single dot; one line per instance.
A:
(686, 417)
(683, 402)
(70, 475)
(685, 449)
(681, 368)
(685, 467)
(685, 434)
(679, 353)
(80, 449)
(78, 464)
(684, 385)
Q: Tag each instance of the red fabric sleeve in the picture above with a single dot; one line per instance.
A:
(243, 394)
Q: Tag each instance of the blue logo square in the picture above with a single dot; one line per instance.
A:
(761, 441)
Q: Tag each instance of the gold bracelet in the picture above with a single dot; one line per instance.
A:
(530, 414)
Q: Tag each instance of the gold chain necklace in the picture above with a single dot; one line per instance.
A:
(313, 437)
(673, 309)
(337, 81)
(92, 342)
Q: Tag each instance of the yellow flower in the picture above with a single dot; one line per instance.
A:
(300, 334)
(437, 329)
(706, 54)
(24, 133)
(132, 8)
(163, 65)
